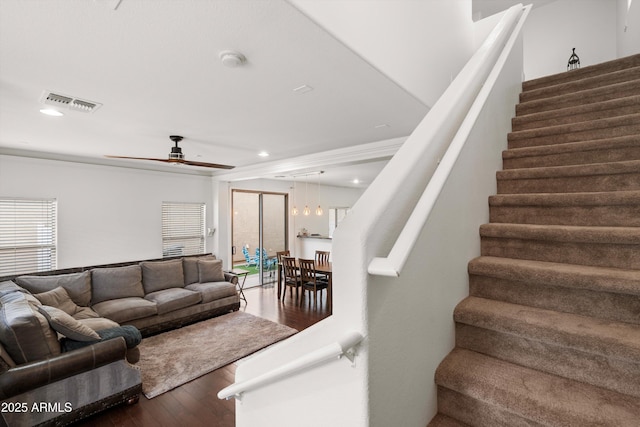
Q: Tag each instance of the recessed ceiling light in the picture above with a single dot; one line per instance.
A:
(51, 112)
(263, 154)
(382, 125)
(303, 89)
(356, 181)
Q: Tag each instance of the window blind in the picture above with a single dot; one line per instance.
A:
(182, 229)
(27, 235)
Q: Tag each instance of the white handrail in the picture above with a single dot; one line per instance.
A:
(463, 94)
(342, 347)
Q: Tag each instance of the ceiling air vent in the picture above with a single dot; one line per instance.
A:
(69, 102)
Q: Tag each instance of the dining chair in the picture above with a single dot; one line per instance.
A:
(322, 257)
(310, 281)
(291, 276)
(279, 256)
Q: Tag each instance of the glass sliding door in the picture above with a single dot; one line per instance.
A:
(259, 222)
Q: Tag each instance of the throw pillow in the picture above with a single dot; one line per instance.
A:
(58, 298)
(190, 268)
(66, 325)
(210, 271)
(130, 333)
(159, 275)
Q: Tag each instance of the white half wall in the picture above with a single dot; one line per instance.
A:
(421, 45)
(106, 214)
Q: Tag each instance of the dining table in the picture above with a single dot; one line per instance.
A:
(322, 268)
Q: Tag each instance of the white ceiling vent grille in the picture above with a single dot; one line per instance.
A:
(69, 102)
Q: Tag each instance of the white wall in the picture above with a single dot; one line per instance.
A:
(105, 214)
(553, 29)
(421, 45)
(628, 28)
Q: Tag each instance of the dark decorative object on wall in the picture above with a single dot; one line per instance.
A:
(574, 61)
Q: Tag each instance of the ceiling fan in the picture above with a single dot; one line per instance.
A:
(176, 156)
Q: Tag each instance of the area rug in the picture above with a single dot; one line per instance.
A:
(176, 357)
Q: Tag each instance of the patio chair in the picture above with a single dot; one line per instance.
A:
(249, 261)
(267, 263)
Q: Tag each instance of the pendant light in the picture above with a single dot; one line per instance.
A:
(306, 211)
(294, 211)
(319, 210)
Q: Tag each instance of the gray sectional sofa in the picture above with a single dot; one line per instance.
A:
(43, 315)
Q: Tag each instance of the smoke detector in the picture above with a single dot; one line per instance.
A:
(68, 102)
(232, 59)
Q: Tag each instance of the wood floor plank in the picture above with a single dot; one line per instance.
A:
(196, 403)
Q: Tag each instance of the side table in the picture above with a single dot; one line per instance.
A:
(243, 274)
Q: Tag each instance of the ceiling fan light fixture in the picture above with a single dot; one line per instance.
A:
(232, 59)
(176, 152)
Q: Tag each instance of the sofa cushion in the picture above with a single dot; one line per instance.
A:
(85, 313)
(210, 271)
(213, 290)
(98, 323)
(173, 299)
(158, 275)
(24, 332)
(116, 282)
(124, 309)
(66, 325)
(78, 285)
(58, 298)
(131, 335)
(190, 268)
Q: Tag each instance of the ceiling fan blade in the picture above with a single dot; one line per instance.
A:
(181, 161)
(207, 165)
(142, 158)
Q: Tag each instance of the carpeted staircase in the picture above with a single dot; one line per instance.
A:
(550, 334)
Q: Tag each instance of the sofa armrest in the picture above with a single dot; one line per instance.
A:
(231, 278)
(37, 374)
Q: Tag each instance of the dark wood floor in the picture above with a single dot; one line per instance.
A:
(196, 403)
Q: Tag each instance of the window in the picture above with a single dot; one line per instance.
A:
(27, 235)
(182, 229)
(335, 216)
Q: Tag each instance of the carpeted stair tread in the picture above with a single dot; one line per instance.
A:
(586, 83)
(564, 233)
(619, 375)
(582, 73)
(609, 198)
(584, 131)
(600, 279)
(441, 420)
(631, 166)
(599, 177)
(597, 336)
(547, 399)
(614, 208)
(622, 148)
(581, 113)
(582, 97)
